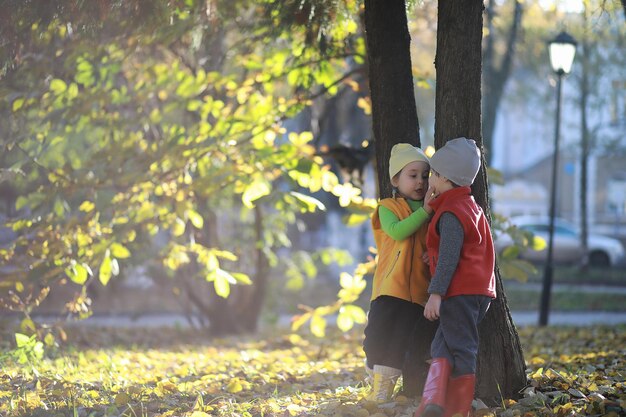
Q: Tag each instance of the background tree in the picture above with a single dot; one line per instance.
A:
(501, 369)
(600, 63)
(495, 75)
(126, 146)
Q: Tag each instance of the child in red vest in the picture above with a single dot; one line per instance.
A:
(397, 336)
(461, 260)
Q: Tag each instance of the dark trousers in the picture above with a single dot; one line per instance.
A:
(399, 336)
(457, 336)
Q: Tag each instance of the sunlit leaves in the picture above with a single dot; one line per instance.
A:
(318, 325)
(119, 251)
(106, 270)
(351, 287)
(195, 218)
(17, 104)
(308, 203)
(87, 206)
(58, 86)
(138, 369)
(258, 188)
(348, 315)
(28, 349)
(78, 273)
(128, 142)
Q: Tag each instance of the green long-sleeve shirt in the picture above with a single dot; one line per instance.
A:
(401, 229)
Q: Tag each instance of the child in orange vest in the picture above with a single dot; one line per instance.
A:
(397, 336)
(461, 260)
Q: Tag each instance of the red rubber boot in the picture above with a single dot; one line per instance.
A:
(433, 398)
(460, 395)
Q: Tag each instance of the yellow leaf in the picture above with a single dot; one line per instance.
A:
(318, 326)
(122, 399)
(119, 251)
(199, 414)
(258, 188)
(49, 339)
(298, 321)
(221, 285)
(195, 218)
(28, 326)
(87, 206)
(58, 86)
(234, 386)
(106, 269)
(17, 104)
(178, 228)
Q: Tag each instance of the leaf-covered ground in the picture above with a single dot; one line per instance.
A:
(168, 372)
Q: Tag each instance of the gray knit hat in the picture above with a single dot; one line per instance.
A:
(458, 160)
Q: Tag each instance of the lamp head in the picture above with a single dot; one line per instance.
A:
(562, 51)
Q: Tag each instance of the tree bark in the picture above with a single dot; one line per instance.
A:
(394, 112)
(501, 368)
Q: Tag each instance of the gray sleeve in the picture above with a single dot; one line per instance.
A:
(451, 232)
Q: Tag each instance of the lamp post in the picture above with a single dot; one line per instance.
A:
(562, 51)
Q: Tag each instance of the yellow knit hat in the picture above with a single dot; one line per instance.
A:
(402, 154)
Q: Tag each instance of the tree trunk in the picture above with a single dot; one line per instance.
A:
(495, 78)
(255, 296)
(584, 140)
(394, 113)
(501, 369)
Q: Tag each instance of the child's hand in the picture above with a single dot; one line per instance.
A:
(430, 196)
(425, 258)
(431, 309)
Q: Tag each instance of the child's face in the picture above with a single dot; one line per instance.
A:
(412, 181)
(438, 183)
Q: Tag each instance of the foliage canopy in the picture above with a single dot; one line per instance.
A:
(132, 127)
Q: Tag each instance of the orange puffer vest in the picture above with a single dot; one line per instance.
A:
(400, 271)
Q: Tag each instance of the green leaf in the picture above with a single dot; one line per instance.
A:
(17, 103)
(258, 188)
(77, 273)
(21, 340)
(58, 86)
(511, 252)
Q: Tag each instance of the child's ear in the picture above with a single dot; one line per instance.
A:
(394, 181)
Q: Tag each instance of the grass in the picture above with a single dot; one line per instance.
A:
(576, 275)
(519, 299)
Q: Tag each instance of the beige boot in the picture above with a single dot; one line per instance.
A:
(384, 382)
(369, 379)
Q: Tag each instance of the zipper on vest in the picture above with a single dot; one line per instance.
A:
(393, 265)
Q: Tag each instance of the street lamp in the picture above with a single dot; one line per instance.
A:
(562, 51)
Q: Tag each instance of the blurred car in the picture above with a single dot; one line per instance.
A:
(602, 251)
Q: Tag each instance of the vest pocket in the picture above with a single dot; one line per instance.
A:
(393, 265)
